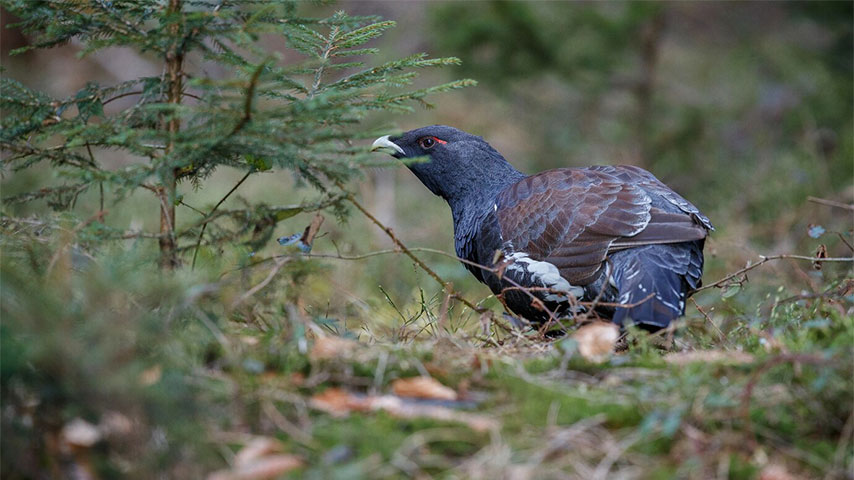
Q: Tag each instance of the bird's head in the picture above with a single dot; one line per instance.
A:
(460, 164)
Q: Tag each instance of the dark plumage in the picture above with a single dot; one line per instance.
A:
(575, 231)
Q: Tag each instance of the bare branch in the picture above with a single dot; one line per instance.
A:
(831, 203)
(763, 259)
(205, 225)
(408, 252)
(709, 320)
(252, 291)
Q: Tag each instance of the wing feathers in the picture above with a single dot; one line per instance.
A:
(664, 227)
(572, 218)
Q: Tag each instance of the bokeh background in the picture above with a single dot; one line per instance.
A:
(744, 108)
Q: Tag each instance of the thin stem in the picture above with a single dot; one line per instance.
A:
(709, 320)
(842, 237)
(252, 291)
(127, 94)
(318, 74)
(181, 202)
(219, 213)
(166, 192)
(408, 252)
(831, 203)
(123, 95)
(205, 225)
(764, 259)
(101, 183)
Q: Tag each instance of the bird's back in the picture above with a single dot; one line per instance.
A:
(615, 234)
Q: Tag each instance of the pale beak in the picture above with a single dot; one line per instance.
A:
(384, 143)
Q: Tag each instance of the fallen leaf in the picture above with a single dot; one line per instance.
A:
(776, 472)
(311, 230)
(305, 239)
(596, 340)
(422, 387)
(297, 379)
(500, 263)
(115, 423)
(261, 458)
(486, 323)
(270, 466)
(399, 407)
(708, 356)
(255, 449)
(339, 402)
(328, 347)
(150, 376)
(433, 368)
(249, 340)
(463, 389)
(80, 433)
(820, 253)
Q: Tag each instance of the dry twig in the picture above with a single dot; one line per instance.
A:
(281, 261)
(205, 224)
(831, 203)
(403, 248)
(709, 320)
(763, 259)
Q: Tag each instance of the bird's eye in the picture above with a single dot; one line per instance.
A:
(427, 142)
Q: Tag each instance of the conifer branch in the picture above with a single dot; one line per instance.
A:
(291, 130)
(324, 58)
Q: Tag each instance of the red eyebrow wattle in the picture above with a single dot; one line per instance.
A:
(440, 140)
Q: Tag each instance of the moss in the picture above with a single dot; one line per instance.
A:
(530, 404)
(382, 434)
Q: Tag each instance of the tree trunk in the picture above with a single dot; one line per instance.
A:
(166, 193)
(650, 43)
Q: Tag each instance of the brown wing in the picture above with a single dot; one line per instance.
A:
(572, 217)
(653, 186)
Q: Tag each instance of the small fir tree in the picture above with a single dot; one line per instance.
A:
(300, 116)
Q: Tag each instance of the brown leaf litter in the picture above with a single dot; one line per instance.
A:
(339, 402)
(260, 459)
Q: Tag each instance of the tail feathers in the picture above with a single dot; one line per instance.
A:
(657, 291)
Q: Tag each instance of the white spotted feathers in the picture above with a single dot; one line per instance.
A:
(545, 274)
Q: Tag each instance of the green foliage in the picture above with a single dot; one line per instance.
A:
(505, 41)
(111, 343)
(300, 116)
(91, 330)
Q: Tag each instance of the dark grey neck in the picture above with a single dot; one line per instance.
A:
(470, 210)
(481, 196)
